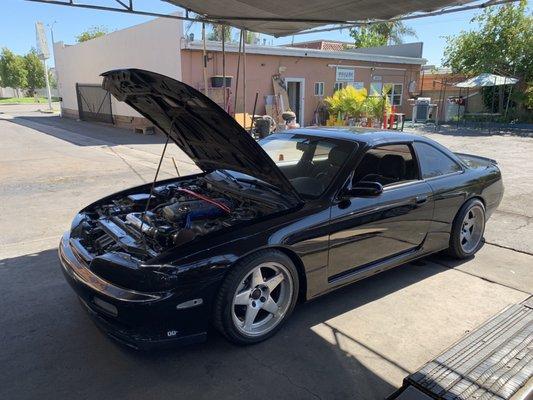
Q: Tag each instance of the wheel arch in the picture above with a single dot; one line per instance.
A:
(298, 263)
(474, 197)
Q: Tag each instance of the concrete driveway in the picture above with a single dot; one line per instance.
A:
(358, 342)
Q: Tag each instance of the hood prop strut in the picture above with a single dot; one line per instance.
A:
(153, 186)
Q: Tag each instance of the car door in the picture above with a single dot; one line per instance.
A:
(445, 177)
(364, 230)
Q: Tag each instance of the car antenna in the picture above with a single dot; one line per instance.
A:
(153, 184)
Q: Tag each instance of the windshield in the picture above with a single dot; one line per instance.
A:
(309, 163)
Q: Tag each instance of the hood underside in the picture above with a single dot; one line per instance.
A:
(203, 130)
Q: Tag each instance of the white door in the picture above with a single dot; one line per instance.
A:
(296, 94)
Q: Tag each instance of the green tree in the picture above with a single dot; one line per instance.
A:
(503, 45)
(381, 34)
(34, 72)
(91, 33)
(12, 70)
(216, 32)
(250, 37)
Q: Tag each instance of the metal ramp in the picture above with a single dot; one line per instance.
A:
(494, 362)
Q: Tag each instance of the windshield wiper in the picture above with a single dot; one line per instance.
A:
(230, 177)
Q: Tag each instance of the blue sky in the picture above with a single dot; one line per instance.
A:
(17, 30)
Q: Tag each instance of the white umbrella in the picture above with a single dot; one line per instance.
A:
(487, 80)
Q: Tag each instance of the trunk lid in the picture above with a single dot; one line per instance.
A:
(203, 130)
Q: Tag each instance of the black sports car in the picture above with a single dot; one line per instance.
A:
(266, 224)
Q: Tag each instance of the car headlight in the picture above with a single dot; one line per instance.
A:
(159, 277)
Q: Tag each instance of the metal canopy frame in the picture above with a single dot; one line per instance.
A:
(128, 6)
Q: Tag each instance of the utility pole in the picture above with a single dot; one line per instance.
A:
(51, 26)
(44, 53)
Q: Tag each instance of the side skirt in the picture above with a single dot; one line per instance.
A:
(374, 268)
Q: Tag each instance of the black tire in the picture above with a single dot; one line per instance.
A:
(223, 308)
(456, 248)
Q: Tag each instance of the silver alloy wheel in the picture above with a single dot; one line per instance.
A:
(262, 299)
(472, 229)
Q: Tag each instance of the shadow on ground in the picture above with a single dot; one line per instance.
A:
(51, 349)
(99, 133)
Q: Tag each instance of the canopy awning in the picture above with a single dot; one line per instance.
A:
(286, 17)
(487, 80)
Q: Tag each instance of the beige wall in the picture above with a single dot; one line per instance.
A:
(153, 46)
(260, 68)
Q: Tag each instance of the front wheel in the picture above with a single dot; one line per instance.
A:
(467, 230)
(256, 297)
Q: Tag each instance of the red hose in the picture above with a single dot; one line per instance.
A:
(223, 207)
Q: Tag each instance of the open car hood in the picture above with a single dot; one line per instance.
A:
(203, 130)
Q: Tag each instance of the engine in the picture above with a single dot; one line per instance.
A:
(172, 215)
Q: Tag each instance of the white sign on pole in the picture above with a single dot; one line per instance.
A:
(42, 42)
(344, 74)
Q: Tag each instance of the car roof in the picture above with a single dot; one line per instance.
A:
(370, 136)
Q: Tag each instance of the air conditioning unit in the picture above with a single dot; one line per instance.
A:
(421, 109)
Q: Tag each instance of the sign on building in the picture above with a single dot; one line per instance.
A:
(42, 42)
(357, 85)
(345, 74)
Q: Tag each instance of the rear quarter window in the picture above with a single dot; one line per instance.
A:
(434, 162)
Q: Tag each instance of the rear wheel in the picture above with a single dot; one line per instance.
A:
(256, 297)
(468, 229)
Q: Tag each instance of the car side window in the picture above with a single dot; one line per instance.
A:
(434, 162)
(388, 165)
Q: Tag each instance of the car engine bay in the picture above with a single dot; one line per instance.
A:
(144, 224)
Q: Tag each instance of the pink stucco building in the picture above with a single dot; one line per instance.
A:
(159, 45)
(310, 74)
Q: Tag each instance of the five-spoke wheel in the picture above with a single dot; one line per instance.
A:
(468, 228)
(262, 298)
(256, 297)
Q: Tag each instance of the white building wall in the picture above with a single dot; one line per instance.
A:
(153, 46)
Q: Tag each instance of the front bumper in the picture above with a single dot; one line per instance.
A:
(137, 319)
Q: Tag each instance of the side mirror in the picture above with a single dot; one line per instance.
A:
(365, 189)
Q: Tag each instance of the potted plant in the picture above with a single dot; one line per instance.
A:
(375, 107)
(347, 103)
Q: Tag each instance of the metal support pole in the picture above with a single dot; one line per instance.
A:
(224, 65)
(49, 92)
(458, 107)
(206, 92)
(253, 113)
(237, 75)
(493, 98)
(53, 53)
(508, 99)
(442, 111)
(244, 75)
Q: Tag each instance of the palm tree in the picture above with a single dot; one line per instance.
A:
(217, 30)
(381, 34)
(395, 31)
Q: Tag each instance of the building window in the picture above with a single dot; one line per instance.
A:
(338, 86)
(376, 88)
(395, 93)
(319, 88)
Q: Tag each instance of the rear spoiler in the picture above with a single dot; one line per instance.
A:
(486, 159)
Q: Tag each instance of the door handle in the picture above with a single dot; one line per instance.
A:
(421, 199)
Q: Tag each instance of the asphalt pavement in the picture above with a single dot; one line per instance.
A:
(358, 342)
